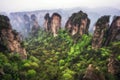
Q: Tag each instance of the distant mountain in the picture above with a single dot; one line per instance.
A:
(93, 14)
(107, 10)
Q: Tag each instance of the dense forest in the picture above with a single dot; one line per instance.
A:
(63, 57)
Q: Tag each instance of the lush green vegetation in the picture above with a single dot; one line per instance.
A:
(55, 58)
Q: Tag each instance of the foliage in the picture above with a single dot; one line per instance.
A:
(55, 58)
(31, 73)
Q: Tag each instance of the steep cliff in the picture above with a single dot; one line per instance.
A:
(78, 23)
(100, 32)
(114, 31)
(10, 39)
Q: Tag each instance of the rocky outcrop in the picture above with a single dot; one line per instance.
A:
(47, 23)
(34, 25)
(78, 23)
(113, 65)
(26, 25)
(100, 32)
(92, 74)
(55, 23)
(103, 34)
(52, 24)
(114, 31)
(10, 39)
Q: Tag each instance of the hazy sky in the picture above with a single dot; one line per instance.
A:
(23, 5)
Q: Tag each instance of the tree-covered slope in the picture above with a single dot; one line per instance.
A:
(59, 58)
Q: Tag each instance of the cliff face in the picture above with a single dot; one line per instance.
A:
(9, 39)
(114, 31)
(52, 24)
(34, 24)
(103, 34)
(47, 26)
(55, 23)
(78, 23)
(99, 35)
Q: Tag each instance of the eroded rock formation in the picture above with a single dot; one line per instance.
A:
(34, 25)
(114, 31)
(26, 25)
(55, 23)
(52, 24)
(100, 32)
(47, 23)
(10, 39)
(78, 23)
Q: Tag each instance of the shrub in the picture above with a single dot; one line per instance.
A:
(31, 73)
(3, 59)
